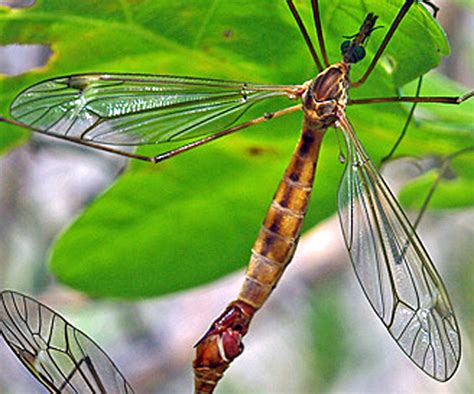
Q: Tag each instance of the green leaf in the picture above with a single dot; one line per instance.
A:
(193, 219)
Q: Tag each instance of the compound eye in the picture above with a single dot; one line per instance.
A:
(345, 46)
(359, 53)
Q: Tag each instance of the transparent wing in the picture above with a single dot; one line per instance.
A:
(60, 356)
(394, 269)
(134, 109)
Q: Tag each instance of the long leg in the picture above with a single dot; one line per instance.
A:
(388, 36)
(415, 99)
(305, 34)
(170, 153)
(400, 138)
(406, 125)
(205, 140)
(319, 31)
(442, 171)
(79, 141)
(443, 168)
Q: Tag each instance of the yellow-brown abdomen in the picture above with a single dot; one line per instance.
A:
(281, 228)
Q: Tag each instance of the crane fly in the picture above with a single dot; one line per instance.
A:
(113, 111)
(61, 357)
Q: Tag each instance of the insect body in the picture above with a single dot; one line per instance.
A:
(391, 264)
(108, 111)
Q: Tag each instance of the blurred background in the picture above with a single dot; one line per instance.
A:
(317, 333)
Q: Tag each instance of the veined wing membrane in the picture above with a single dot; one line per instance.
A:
(135, 109)
(393, 268)
(61, 357)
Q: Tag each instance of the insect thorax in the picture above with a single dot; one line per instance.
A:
(326, 95)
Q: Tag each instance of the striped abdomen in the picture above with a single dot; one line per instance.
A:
(276, 242)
